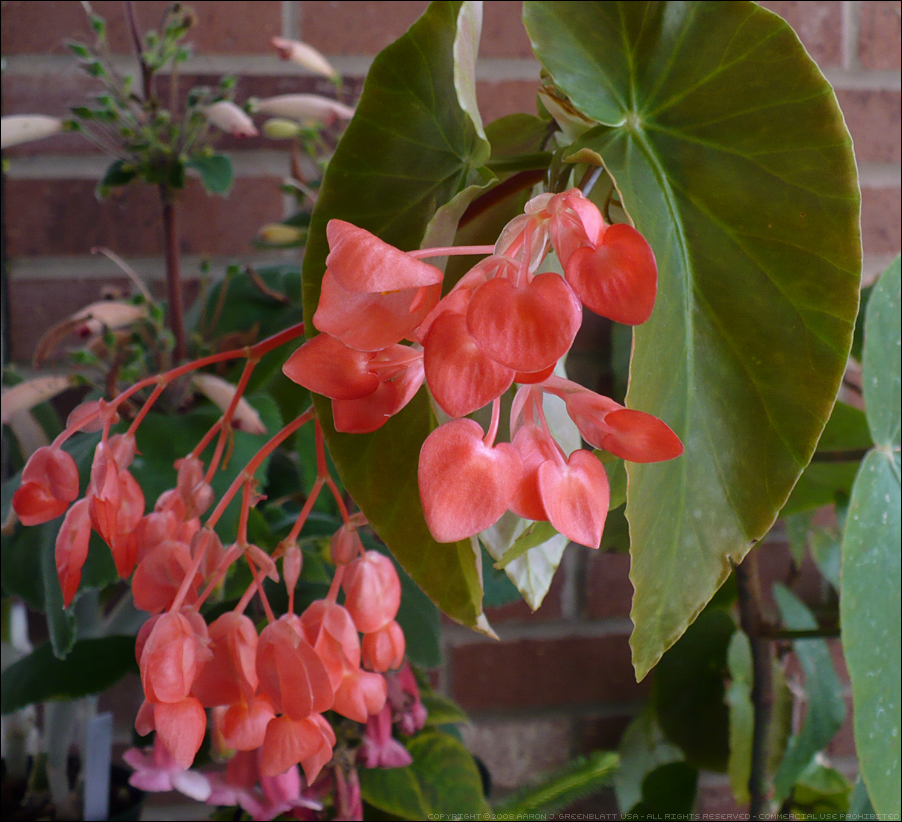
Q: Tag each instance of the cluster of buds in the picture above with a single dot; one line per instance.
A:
(261, 693)
(505, 322)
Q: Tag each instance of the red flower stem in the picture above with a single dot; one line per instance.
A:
(207, 438)
(225, 422)
(255, 351)
(224, 564)
(451, 251)
(243, 515)
(322, 470)
(247, 475)
(259, 576)
(305, 511)
(189, 577)
(154, 396)
(493, 426)
(558, 451)
(332, 596)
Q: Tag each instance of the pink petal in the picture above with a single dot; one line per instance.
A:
(360, 261)
(327, 366)
(465, 486)
(526, 328)
(461, 377)
(576, 497)
(617, 279)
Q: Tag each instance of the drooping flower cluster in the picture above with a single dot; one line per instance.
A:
(262, 693)
(505, 322)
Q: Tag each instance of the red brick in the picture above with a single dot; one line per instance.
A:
(518, 751)
(356, 27)
(775, 565)
(880, 220)
(873, 118)
(818, 24)
(498, 99)
(843, 744)
(519, 611)
(535, 673)
(878, 33)
(601, 733)
(503, 34)
(62, 217)
(237, 27)
(609, 592)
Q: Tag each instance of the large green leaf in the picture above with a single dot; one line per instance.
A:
(92, 666)
(869, 606)
(443, 779)
(826, 707)
(730, 152)
(414, 146)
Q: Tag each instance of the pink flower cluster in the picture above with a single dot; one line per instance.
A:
(506, 321)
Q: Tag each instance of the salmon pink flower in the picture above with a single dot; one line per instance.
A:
(288, 741)
(231, 672)
(372, 591)
(465, 483)
(576, 495)
(180, 727)
(404, 697)
(383, 650)
(72, 549)
(49, 484)
(290, 672)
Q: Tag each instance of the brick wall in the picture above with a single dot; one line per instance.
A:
(560, 682)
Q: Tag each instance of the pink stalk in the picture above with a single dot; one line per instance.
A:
(493, 427)
(305, 511)
(451, 251)
(259, 576)
(247, 475)
(332, 596)
(227, 416)
(322, 470)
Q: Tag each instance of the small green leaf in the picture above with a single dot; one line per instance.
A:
(821, 792)
(215, 173)
(535, 534)
(742, 714)
(826, 707)
(117, 174)
(443, 779)
(92, 666)
(441, 710)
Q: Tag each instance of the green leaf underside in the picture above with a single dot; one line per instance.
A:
(215, 172)
(443, 779)
(826, 707)
(410, 149)
(92, 666)
(731, 154)
(871, 566)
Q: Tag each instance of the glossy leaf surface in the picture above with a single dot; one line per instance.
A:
(413, 146)
(730, 152)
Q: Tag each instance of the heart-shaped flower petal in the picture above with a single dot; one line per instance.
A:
(534, 449)
(526, 328)
(460, 377)
(327, 366)
(465, 485)
(617, 279)
(576, 497)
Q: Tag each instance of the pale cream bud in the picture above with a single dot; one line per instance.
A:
(278, 128)
(279, 234)
(220, 392)
(229, 117)
(24, 128)
(304, 55)
(304, 108)
(29, 393)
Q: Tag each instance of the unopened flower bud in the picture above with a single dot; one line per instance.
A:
(279, 234)
(221, 393)
(278, 128)
(304, 55)
(229, 117)
(383, 650)
(345, 545)
(25, 128)
(307, 109)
